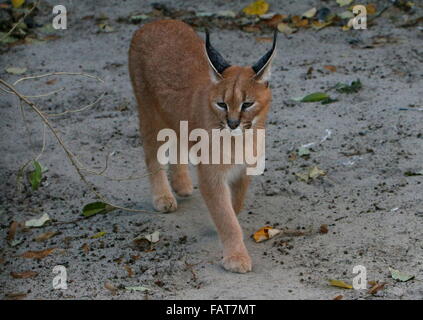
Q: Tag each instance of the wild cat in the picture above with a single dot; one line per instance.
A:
(176, 76)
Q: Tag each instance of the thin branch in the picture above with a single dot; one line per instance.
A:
(20, 21)
(65, 148)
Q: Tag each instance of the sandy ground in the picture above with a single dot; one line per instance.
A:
(373, 211)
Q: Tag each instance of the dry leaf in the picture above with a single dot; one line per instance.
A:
(86, 248)
(24, 275)
(37, 254)
(324, 229)
(15, 296)
(275, 20)
(15, 70)
(264, 39)
(330, 68)
(340, 284)
(371, 9)
(251, 29)
(258, 7)
(110, 286)
(285, 28)
(265, 233)
(310, 13)
(340, 297)
(12, 230)
(46, 236)
(129, 270)
(37, 222)
(376, 287)
(17, 3)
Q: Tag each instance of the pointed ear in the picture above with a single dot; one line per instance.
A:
(216, 62)
(262, 67)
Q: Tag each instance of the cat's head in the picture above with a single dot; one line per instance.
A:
(240, 96)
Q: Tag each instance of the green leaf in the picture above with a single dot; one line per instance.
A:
(98, 235)
(329, 100)
(355, 86)
(36, 175)
(95, 208)
(313, 97)
(397, 275)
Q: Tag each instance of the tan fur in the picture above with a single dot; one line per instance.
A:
(171, 77)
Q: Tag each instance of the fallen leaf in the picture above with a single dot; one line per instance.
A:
(285, 28)
(17, 3)
(15, 296)
(323, 229)
(46, 235)
(52, 81)
(37, 254)
(226, 14)
(354, 87)
(86, 248)
(24, 275)
(103, 27)
(413, 173)
(346, 15)
(95, 208)
(264, 39)
(311, 174)
(313, 97)
(111, 287)
(400, 276)
(251, 29)
(318, 25)
(371, 9)
(340, 284)
(299, 22)
(343, 3)
(37, 222)
(303, 152)
(340, 297)
(265, 233)
(154, 237)
(15, 70)
(310, 13)
(258, 7)
(36, 175)
(330, 68)
(139, 288)
(129, 270)
(275, 20)
(376, 287)
(98, 235)
(12, 230)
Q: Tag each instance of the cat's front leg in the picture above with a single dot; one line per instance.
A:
(217, 195)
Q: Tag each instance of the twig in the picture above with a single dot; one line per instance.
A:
(65, 148)
(20, 21)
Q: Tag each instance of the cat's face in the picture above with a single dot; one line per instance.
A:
(239, 100)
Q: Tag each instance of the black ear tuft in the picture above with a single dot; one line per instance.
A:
(261, 64)
(216, 60)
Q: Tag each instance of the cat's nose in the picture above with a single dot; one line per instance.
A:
(233, 124)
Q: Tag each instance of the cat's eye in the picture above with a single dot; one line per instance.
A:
(247, 105)
(222, 105)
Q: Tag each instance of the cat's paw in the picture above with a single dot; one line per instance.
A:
(238, 262)
(165, 203)
(182, 187)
